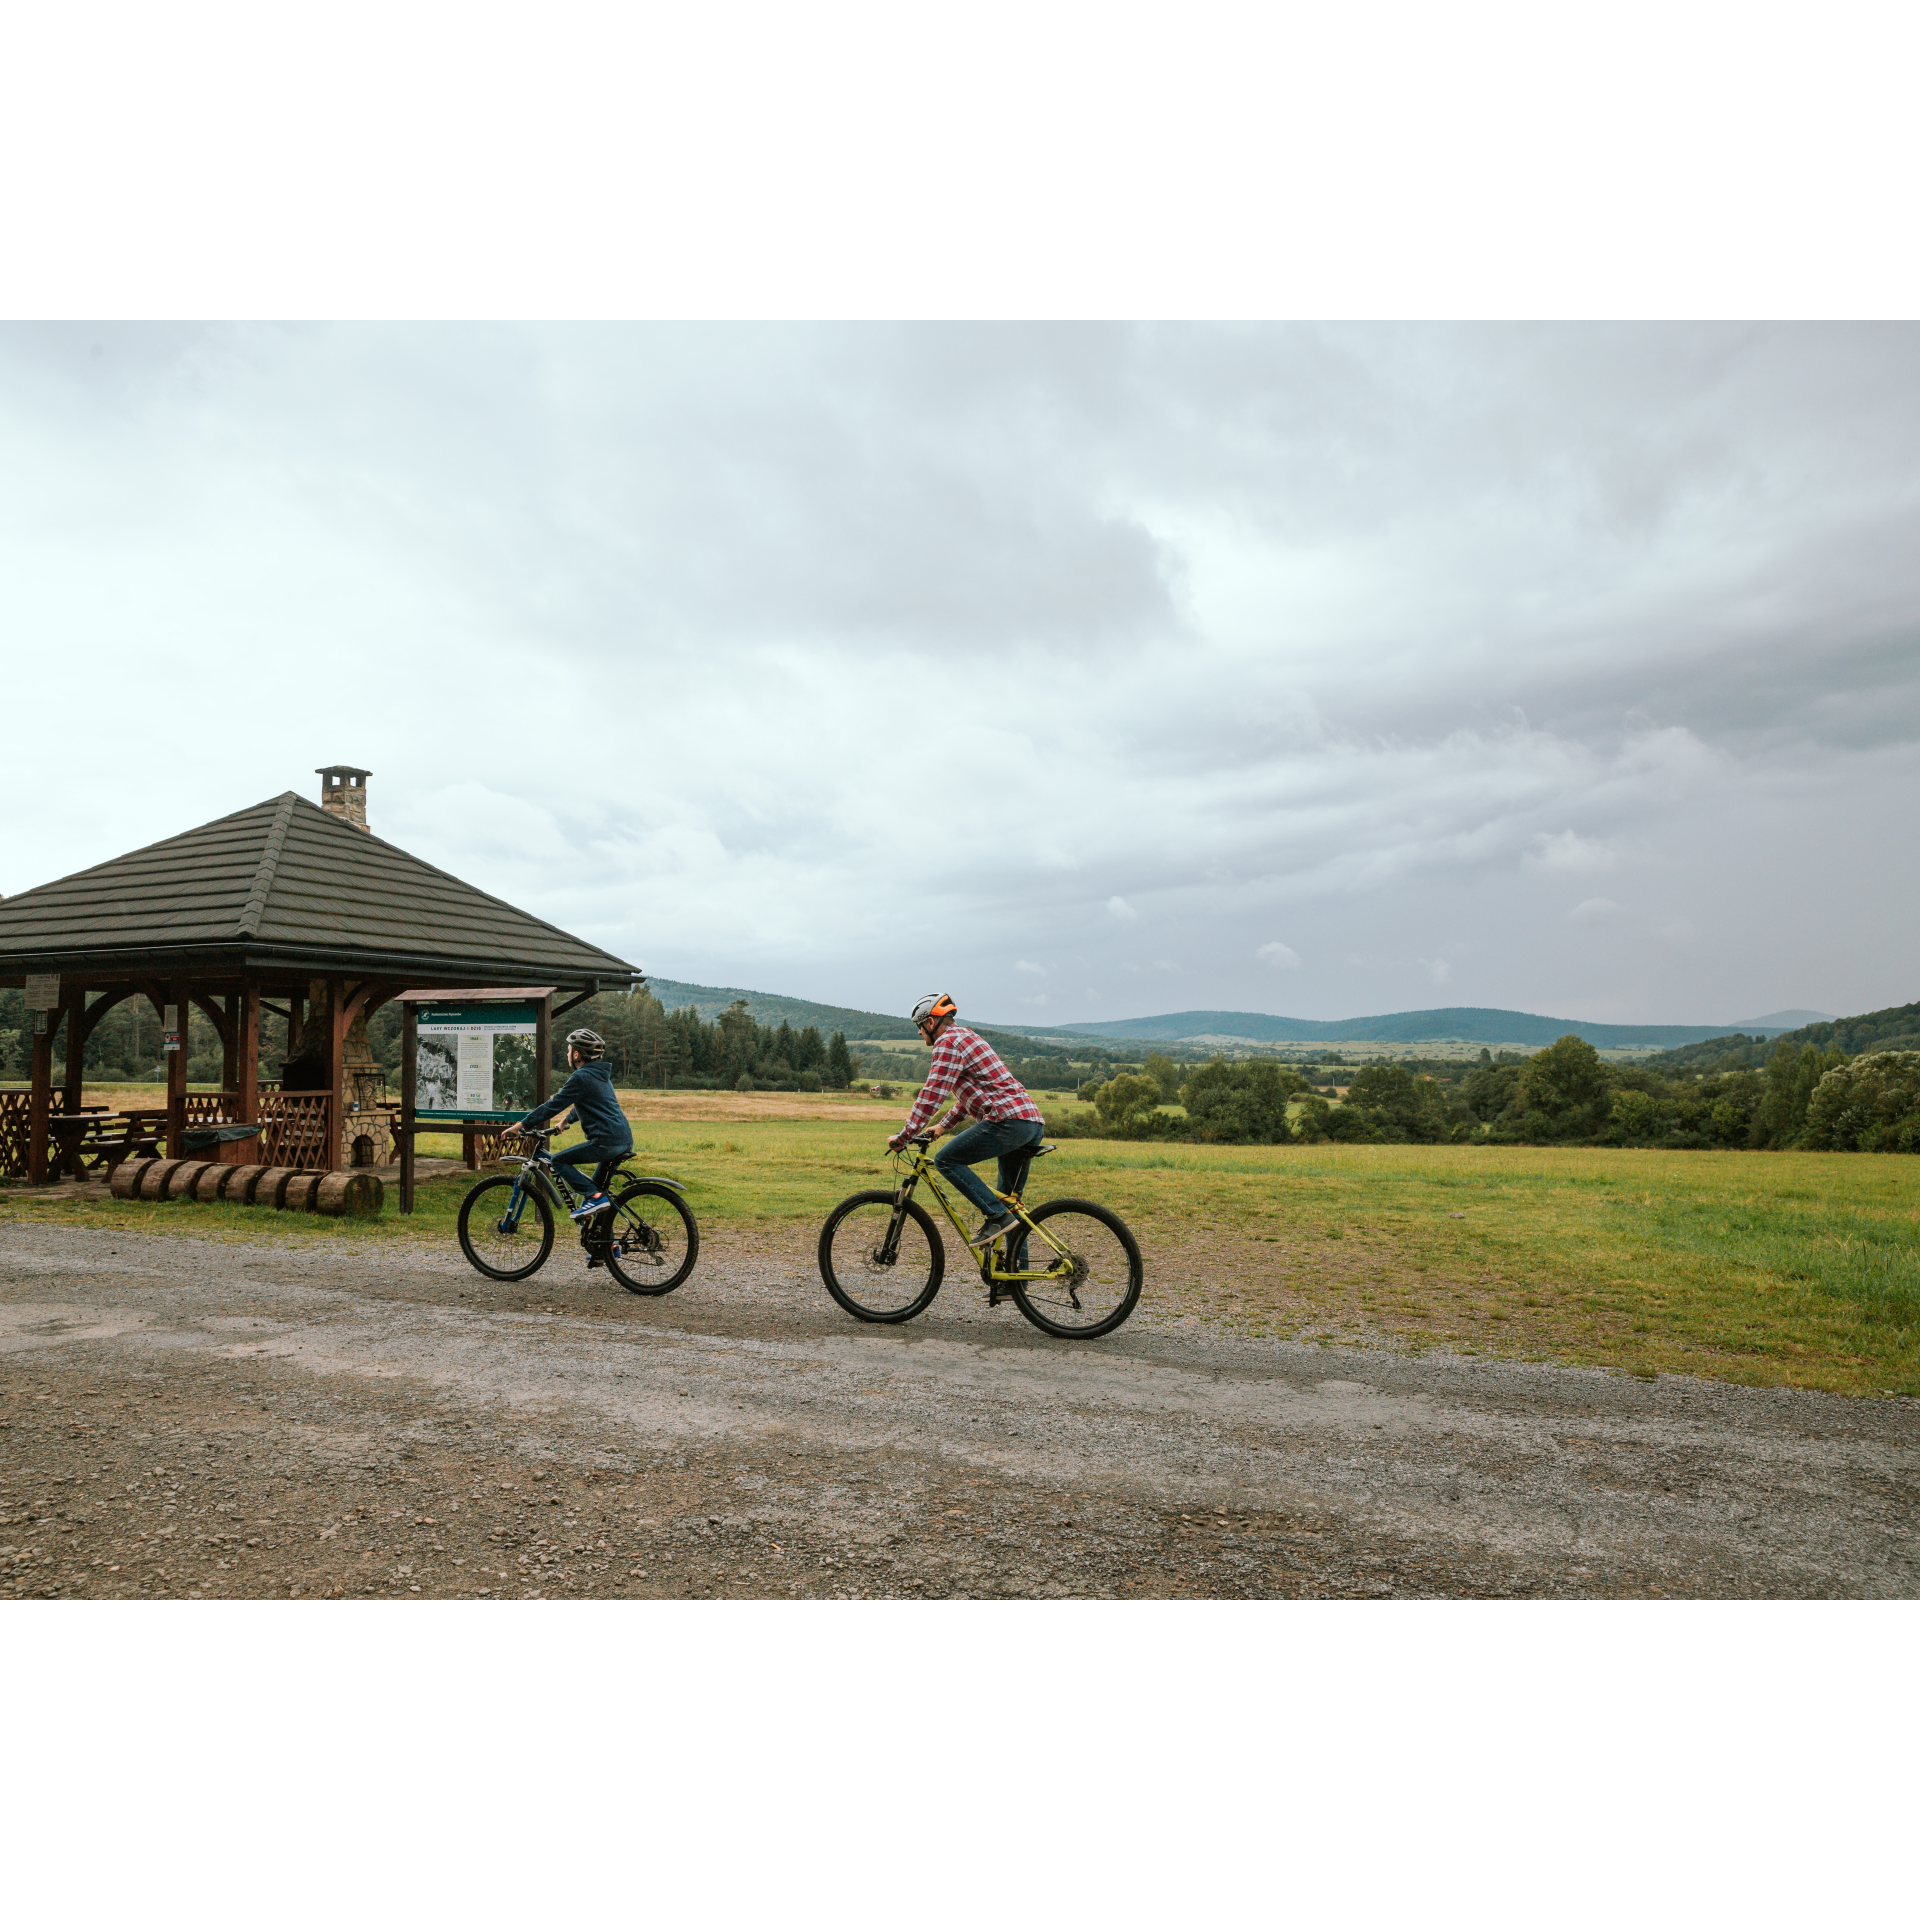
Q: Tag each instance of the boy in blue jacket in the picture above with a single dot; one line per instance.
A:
(597, 1107)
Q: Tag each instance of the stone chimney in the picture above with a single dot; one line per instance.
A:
(343, 791)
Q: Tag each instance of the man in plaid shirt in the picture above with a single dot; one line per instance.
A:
(1007, 1123)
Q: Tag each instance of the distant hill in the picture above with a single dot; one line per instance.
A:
(1785, 1021)
(771, 1008)
(1485, 1026)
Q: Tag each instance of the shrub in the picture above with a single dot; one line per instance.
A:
(809, 1082)
(1128, 1097)
(744, 1084)
(1868, 1105)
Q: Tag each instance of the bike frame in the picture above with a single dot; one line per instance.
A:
(536, 1169)
(993, 1269)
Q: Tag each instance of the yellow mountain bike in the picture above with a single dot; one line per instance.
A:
(1073, 1268)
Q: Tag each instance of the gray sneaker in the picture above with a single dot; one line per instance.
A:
(991, 1230)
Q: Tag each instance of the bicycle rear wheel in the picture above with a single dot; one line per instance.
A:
(505, 1241)
(652, 1240)
(881, 1264)
(1091, 1289)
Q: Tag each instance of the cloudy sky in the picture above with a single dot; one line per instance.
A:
(1085, 670)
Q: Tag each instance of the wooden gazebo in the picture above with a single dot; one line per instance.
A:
(288, 908)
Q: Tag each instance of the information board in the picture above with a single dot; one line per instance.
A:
(475, 1060)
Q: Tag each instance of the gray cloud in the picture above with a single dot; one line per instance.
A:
(820, 657)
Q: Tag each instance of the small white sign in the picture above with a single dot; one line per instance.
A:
(43, 992)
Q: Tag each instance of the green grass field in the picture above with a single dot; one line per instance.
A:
(1765, 1269)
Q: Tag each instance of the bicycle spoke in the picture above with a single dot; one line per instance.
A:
(1088, 1289)
(881, 1260)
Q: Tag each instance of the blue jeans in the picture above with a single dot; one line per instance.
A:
(982, 1141)
(595, 1151)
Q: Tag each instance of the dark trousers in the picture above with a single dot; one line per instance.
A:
(567, 1165)
(1008, 1139)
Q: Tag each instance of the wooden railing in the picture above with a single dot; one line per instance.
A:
(14, 1135)
(299, 1130)
(298, 1126)
(209, 1109)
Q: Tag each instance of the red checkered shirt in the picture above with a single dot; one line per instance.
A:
(982, 1088)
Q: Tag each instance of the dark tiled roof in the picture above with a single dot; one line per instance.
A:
(287, 884)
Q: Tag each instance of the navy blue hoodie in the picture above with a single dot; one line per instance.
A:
(590, 1089)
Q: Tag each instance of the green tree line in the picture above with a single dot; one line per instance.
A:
(1808, 1097)
(646, 1045)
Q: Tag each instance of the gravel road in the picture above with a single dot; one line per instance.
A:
(188, 1416)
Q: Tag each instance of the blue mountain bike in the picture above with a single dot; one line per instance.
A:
(647, 1239)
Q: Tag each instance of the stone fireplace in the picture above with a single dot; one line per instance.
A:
(365, 1137)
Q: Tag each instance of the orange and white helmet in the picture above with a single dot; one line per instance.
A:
(933, 1006)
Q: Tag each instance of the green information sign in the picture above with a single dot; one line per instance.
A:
(475, 1060)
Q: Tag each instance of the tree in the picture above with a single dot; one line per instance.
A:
(1792, 1074)
(1242, 1102)
(738, 1032)
(839, 1062)
(1128, 1098)
(1564, 1077)
(1169, 1074)
(1399, 1106)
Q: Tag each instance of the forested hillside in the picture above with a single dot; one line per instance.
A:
(771, 1008)
(1892, 1029)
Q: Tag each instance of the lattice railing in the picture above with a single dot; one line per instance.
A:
(14, 1138)
(209, 1109)
(299, 1130)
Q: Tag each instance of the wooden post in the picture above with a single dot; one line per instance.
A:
(230, 1046)
(409, 1089)
(74, 1012)
(180, 1009)
(542, 1048)
(296, 1018)
(338, 1019)
(39, 1104)
(246, 1022)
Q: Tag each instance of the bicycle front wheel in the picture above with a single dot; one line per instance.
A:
(1088, 1289)
(652, 1241)
(504, 1237)
(880, 1263)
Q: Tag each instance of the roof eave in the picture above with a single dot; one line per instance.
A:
(260, 956)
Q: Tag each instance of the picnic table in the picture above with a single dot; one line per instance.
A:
(97, 1137)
